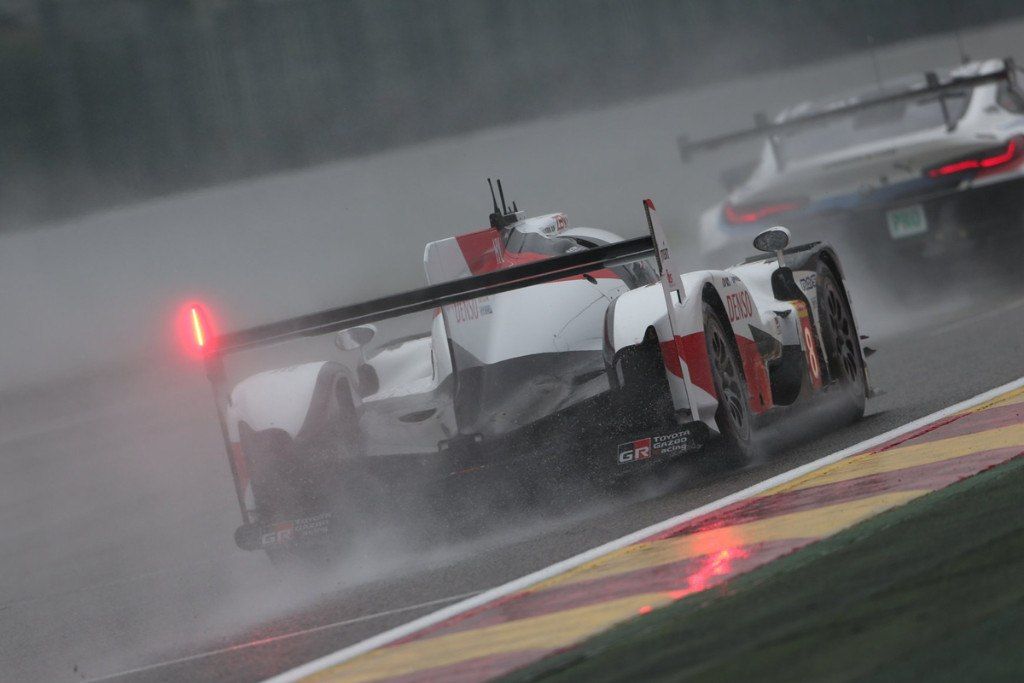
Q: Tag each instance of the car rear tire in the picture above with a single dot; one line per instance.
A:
(734, 418)
(310, 474)
(643, 394)
(842, 345)
(287, 487)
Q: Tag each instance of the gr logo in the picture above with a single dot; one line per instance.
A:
(277, 536)
(634, 450)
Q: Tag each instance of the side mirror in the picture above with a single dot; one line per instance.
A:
(354, 338)
(773, 241)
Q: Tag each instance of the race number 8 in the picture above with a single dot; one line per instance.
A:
(812, 356)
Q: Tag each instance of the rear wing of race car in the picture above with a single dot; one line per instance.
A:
(932, 86)
(214, 348)
(435, 296)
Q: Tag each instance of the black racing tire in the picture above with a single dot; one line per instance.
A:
(301, 477)
(644, 398)
(734, 417)
(312, 499)
(842, 345)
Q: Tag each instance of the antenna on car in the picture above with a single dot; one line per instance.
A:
(502, 217)
(493, 198)
(501, 192)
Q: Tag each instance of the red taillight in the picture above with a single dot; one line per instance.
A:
(989, 161)
(194, 330)
(198, 331)
(752, 214)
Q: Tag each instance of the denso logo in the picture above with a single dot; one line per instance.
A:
(740, 306)
(634, 450)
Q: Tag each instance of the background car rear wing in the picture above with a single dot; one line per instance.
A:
(932, 86)
(213, 348)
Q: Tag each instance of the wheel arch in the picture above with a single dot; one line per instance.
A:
(739, 328)
(823, 253)
(292, 398)
(630, 317)
(710, 295)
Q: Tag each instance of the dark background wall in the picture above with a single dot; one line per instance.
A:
(105, 101)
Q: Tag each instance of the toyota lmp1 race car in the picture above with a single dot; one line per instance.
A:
(539, 334)
(913, 171)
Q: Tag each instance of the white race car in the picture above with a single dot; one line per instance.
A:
(543, 338)
(920, 168)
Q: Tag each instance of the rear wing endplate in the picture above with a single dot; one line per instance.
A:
(932, 86)
(672, 286)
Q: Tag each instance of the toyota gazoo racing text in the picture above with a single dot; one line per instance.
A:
(921, 168)
(539, 333)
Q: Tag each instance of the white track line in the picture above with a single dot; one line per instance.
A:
(970, 320)
(517, 585)
(286, 636)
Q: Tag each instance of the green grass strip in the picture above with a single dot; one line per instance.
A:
(933, 590)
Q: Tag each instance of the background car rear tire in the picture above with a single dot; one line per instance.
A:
(842, 345)
(734, 418)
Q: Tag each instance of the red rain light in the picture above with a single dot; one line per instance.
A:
(1004, 157)
(197, 328)
(735, 214)
(194, 331)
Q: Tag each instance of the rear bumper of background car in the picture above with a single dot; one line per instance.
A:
(974, 216)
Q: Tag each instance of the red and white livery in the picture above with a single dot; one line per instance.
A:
(539, 333)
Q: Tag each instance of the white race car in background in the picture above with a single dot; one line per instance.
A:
(916, 169)
(544, 339)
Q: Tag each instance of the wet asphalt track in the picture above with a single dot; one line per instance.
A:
(135, 571)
